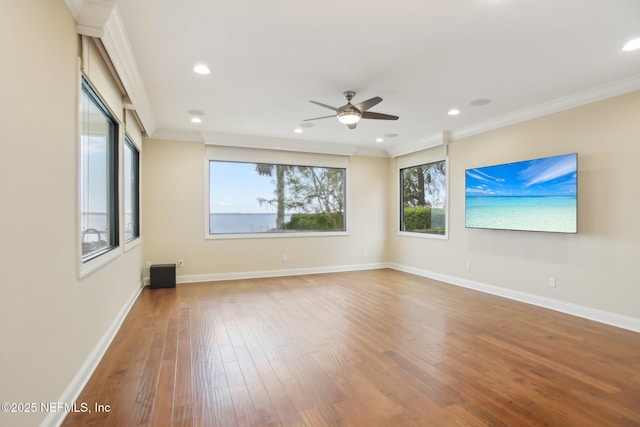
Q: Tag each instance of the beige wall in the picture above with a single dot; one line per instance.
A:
(174, 221)
(52, 321)
(595, 268)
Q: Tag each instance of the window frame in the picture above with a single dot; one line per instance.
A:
(281, 234)
(94, 259)
(423, 234)
(129, 145)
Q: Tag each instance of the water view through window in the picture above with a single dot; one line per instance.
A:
(275, 198)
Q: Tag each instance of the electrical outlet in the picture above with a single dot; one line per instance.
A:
(149, 264)
(552, 282)
(365, 253)
(180, 263)
(467, 266)
(285, 258)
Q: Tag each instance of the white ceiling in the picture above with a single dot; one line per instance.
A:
(423, 57)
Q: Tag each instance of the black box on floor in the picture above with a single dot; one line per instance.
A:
(162, 276)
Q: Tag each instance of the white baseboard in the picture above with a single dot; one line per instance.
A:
(214, 277)
(606, 317)
(78, 383)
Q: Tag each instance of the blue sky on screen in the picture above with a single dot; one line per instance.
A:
(230, 194)
(550, 176)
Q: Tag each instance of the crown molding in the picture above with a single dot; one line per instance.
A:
(74, 7)
(371, 152)
(116, 42)
(177, 135)
(598, 93)
(419, 145)
(91, 16)
(101, 19)
(262, 142)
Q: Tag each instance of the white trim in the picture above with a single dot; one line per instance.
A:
(275, 235)
(248, 141)
(241, 154)
(426, 143)
(279, 144)
(599, 93)
(88, 267)
(215, 277)
(101, 19)
(74, 6)
(91, 16)
(176, 135)
(130, 244)
(116, 43)
(275, 156)
(77, 384)
(413, 161)
(420, 235)
(597, 315)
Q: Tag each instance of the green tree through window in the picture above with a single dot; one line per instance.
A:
(423, 198)
(263, 197)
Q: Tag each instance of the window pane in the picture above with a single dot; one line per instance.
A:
(98, 168)
(272, 198)
(424, 196)
(131, 191)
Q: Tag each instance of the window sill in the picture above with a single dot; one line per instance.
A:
(90, 266)
(274, 235)
(423, 235)
(128, 245)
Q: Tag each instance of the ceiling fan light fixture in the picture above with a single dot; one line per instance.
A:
(349, 117)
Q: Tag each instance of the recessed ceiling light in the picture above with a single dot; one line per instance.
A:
(390, 135)
(297, 130)
(195, 113)
(306, 125)
(201, 69)
(453, 112)
(480, 102)
(196, 120)
(632, 45)
(379, 139)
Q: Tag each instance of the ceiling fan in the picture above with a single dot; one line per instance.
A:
(350, 114)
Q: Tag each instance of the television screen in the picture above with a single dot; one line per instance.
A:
(531, 195)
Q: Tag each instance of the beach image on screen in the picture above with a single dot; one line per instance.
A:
(532, 195)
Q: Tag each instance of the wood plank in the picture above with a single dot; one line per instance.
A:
(367, 348)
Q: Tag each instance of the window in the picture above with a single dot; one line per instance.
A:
(131, 190)
(423, 191)
(275, 198)
(98, 176)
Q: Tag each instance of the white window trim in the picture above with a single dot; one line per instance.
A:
(214, 153)
(418, 234)
(87, 267)
(131, 243)
(96, 263)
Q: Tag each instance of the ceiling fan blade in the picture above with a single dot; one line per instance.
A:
(369, 103)
(378, 116)
(318, 118)
(352, 126)
(325, 106)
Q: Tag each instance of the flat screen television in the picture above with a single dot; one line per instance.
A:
(531, 195)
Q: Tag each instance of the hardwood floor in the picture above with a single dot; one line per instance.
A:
(370, 348)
